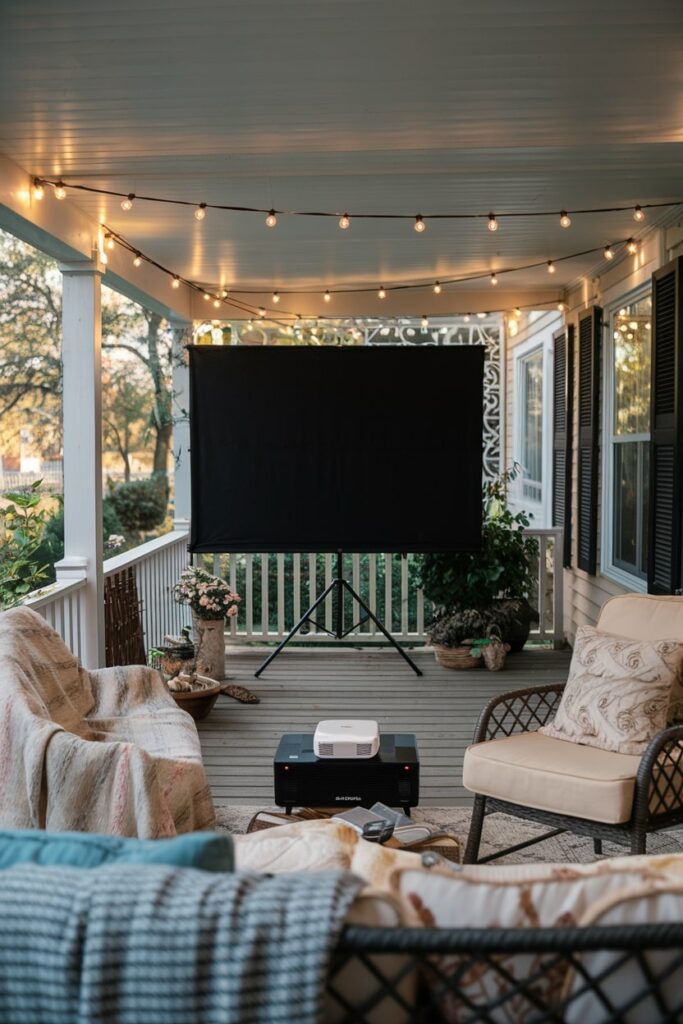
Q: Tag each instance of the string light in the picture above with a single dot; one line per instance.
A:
(638, 214)
(482, 315)
(608, 252)
(216, 303)
(344, 221)
(138, 260)
(632, 246)
(200, 212)
(561, 306)
(518, 312)
(381, 294)
(60, 191)
(437, 288)
(565, 219)
(127, 203)
(109, 241)
(261, 312)
(271, 219)
(493, 223)
(467, 318)
(419, 223)
(276, 297)
(494, 278)
(551, 267)
(424, 322)
(175, 283)
(327, 295)
(37, 189)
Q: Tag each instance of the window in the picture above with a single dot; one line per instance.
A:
(628, 440)
(531, 447)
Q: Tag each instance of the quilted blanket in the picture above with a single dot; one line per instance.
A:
(148, 945)
(104, 751)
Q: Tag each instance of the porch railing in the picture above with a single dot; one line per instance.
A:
(156, 564)
(276, 589)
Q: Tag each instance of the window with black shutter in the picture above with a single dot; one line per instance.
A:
(590, 325)
(563, 397)
(666, 433)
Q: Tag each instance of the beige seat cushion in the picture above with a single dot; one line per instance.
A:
(553, 775)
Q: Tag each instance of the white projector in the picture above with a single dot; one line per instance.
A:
(346, 737)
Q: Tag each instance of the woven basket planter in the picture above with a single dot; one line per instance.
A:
(455, 657)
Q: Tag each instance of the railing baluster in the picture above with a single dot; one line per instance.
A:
(355, 583)
(328, 601)
(296, 590)
(265, 582)
(372, 590)
(233, 586)
(312, 586)
(542, 573)
(281, 595)
(249, 594)
(388, 600)
(405, 608)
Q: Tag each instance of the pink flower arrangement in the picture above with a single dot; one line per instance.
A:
(208, 596)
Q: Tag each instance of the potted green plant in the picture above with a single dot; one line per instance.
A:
(458, 638)
(498, 577)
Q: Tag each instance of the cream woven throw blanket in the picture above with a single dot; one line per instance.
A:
(106, 751)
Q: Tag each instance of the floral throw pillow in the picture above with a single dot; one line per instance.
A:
(619, 691)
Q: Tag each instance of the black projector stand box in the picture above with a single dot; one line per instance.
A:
(303, 780)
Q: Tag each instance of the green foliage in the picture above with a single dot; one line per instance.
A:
(22, 521)
(502, 568)
(139, 504)
(51, 548)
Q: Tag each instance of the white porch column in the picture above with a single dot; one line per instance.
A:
(182, 336)
(82, 404)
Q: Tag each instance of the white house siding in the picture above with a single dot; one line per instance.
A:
(584, 594)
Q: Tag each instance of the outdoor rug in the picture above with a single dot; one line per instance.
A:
(500, 831)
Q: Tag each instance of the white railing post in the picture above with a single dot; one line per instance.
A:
(182, 336)
(82, 405)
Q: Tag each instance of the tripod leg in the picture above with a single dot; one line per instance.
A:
(392, 640)
(295, 629)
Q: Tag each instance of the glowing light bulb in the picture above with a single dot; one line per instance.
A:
(37, 189)
(632, 246)
(494, 278)
(608, 252)
(419, 223)
(138, 260)
(381, 294)
(60, 191)
(175, 283)
(216, 303)
(271, 219)
(206, 296)
(424, 322)
(109, 241)
(638, 214)
(561, 306)
(551, 267)
(518, 312)
(250, 324)
(437, 288)
(127, 203)
(200, 212)
(276, 297)
(467, 318)
(565, 219)
(481, 315)
(493, 223)
(261, 312)
(327, 295)
(344, 221)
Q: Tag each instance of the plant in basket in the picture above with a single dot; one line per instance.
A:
(460, 638)
(497, 578)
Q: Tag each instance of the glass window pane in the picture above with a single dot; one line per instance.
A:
(631, 332)
(532, 424)
(626, 506)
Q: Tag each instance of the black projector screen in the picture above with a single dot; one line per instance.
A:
(327, 449)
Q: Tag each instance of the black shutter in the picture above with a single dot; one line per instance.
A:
(563, 400)
(590, 329)
(666, 422)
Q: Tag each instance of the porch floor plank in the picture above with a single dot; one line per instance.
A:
(304, 685)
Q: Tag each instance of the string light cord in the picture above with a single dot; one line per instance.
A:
(344, 218)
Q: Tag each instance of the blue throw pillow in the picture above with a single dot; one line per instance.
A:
(209, 851)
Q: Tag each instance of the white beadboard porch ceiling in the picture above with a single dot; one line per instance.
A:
(373, 105)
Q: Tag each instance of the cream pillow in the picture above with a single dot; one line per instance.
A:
(619, 691)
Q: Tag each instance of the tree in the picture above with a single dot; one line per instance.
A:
(126, 399)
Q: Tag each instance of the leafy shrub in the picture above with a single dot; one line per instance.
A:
(139, 504)
(51, 548)
(503, 568)
(460, 627)
(21, 569)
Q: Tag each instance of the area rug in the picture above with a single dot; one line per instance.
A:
(500, 831)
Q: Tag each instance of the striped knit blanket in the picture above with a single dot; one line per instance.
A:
(127, 944)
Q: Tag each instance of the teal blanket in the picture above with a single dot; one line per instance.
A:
(138, 944)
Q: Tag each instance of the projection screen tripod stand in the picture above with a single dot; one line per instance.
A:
(338, 587)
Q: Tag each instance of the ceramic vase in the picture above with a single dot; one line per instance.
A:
(210, 644)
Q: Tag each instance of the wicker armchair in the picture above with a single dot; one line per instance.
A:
(570, 787)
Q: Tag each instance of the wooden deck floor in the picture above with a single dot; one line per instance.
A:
(304, 686)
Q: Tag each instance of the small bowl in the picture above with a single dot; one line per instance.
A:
(199, 700)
